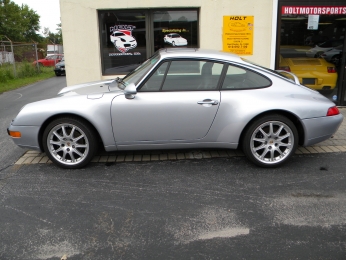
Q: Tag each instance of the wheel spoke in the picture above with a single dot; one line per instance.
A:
(57, 135)
(260, 147)
(64, 155)
(75, 140)
(72, 131)
(279, 151)
(64, 131)
(77, 152)
(279, 130)
(54, 143)
(262, 131)
(285, 144)
(272, 155)
(81, 145)
(261, 140)
(72, 156)
(283, 137)
(264, 153)
(271, 130)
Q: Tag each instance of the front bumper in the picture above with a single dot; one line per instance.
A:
(29, 136)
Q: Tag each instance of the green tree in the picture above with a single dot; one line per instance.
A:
(19, 23)
(50, 37)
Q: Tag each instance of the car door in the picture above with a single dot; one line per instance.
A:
(178, 102)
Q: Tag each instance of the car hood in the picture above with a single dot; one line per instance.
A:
(96, 87)
(61, 63)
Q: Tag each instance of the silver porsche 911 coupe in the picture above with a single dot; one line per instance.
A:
(180, 98)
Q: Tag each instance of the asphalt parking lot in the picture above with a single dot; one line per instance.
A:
(216, 208)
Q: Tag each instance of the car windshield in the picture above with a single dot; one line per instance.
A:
(136, 75)
(119, 34)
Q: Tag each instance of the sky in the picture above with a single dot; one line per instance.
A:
(48, 10)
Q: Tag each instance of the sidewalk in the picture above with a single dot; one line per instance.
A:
(335, 144)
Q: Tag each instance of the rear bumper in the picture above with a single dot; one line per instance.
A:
(321, 128)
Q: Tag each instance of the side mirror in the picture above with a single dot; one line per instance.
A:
(130, 91)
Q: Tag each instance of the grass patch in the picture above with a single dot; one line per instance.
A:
(26, 74)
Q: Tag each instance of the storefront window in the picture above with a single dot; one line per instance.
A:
(130, 37)
(175, 28)
(311, 42)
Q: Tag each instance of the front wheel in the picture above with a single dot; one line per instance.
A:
(69, 142)
(270, 141)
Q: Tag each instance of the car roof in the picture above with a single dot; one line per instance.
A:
(198, 53)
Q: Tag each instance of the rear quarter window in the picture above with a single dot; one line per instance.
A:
(241, 78)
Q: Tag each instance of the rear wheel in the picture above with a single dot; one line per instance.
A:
(69, 142)
(270, 141)
(335, 60)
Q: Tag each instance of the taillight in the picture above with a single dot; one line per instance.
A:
(332, 111)
(331, 69)
(287, 68)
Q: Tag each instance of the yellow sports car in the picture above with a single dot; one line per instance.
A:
(314, 73)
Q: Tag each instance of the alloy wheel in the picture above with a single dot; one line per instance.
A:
(68, 144)
(272, 142)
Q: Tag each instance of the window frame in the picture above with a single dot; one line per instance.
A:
(220, 82)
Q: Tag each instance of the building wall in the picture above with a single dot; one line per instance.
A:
(81, 30)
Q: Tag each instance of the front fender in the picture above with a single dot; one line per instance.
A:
(95, 111)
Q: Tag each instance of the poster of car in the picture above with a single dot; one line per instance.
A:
(175, 39)
(123, 40)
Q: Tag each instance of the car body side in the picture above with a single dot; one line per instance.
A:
(232, 116)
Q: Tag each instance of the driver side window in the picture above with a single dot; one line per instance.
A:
(154, 83)
(184, 75)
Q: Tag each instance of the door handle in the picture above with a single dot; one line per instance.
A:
(208, 102)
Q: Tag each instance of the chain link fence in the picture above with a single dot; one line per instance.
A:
(15, 54)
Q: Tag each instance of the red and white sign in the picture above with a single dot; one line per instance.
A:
(313, 10)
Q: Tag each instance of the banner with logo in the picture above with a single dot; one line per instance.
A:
(238, 34)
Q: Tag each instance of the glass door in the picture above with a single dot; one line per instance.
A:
(342, 77)
(311, 43)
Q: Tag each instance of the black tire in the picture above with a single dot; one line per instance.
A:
(270, 148)
(57, 74)
(70, 142)
(336, 60)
